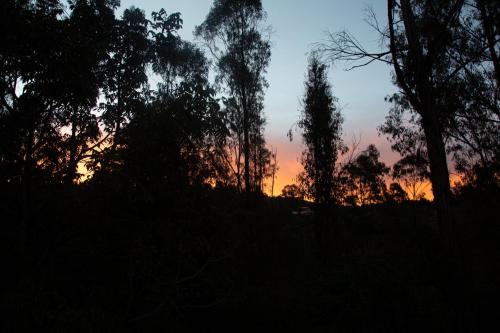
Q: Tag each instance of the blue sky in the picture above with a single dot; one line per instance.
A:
(297, 26)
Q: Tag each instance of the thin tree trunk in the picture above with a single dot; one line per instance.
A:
(246, 141)
(490, 37)
(72, 164)
(27, 190)
(274, 171)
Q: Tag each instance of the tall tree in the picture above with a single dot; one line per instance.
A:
(321, 124)
(489, 16)
(186, 93)
(233, 33)
(420, 38)
(173, 136)
(87, 36)
(30, 84)
(418, 45)
(125, 75)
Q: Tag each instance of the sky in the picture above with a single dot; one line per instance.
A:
(297, 26)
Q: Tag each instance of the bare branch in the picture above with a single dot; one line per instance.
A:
(343, 46)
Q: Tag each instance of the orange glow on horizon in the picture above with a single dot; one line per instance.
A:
(289, 165)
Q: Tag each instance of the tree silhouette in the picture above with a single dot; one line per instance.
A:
(292, 191)
(413, 171)
(158, 236)
(29, 87)
(364, 178)
(321, 131)
(88, 32)
(421, 40)
(234, 36)
(408, 140)
(125, 76)
(396, 193)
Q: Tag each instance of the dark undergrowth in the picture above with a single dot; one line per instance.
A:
(96, 262)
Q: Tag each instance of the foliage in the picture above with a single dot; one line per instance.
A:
(363, 178)
(232, 32)
(159, 237)
(321, 123)
(396, 193)
(292, 191)
(440, 52)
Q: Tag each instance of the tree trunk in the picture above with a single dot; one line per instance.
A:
(72, 164)
(246, 141)
(27, 190)
(439, 178)
(274, 156)
(490, 37)
(455, 282)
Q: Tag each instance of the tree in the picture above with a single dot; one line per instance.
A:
(234, 36)
(29, 88)
(88, 34)
(321, 125)
(274, 169)
(472, 97)
(419, 37)
(489, 16)
(173, 137)
(124, 76)
(428, 49)
(49, 73)
(407, 139)
(292, 191)
(365, 178)
(396, 193)
(420, 75)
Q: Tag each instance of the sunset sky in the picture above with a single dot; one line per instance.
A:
(297, 26)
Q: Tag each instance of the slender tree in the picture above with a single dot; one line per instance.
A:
(321, 131)
(232, 31)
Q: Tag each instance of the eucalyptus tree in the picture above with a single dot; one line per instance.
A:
(321, 125)
(419, 38)
(407, 138)
(234, 34)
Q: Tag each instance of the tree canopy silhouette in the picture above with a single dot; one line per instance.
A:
(233, 33)
(321, 125)
(434, 47)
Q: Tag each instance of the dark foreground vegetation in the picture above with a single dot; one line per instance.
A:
(98, 260)
(132, 184)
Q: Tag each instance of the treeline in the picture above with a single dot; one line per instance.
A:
(126, 100)
(126, 175)
(445, 61)
(337, 174)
